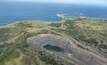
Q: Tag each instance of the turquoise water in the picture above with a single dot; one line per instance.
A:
(53, 48)
(16, 11)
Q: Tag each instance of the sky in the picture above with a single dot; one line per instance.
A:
(86, 2)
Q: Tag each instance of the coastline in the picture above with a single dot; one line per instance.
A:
(49, 22)
(25, 21)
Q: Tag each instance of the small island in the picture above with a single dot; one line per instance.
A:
(72, 42)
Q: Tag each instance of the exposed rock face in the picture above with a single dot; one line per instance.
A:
(43, 40)
(66, 50)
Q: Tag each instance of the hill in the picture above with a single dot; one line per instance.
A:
(72, 42)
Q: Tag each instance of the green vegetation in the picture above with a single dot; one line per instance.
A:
(103, 46)
(14, 49)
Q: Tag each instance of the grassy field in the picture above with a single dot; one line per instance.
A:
(14, 46)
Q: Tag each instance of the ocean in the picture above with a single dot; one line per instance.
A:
(16, 11)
